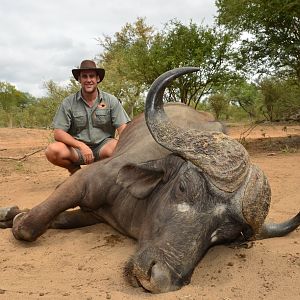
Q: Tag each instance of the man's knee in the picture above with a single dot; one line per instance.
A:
(57, 151)
(52, 151)
(108, 149)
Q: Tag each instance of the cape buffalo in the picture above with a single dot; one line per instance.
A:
(178, 191)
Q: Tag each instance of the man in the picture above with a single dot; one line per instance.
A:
(85, 123)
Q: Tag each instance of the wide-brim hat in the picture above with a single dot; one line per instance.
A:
(88, 65)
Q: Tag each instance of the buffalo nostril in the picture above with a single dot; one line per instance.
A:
(150, 269)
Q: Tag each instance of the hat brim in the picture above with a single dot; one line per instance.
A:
(100, 72)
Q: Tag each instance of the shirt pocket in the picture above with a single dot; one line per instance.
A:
(80, 120)
(101, 118)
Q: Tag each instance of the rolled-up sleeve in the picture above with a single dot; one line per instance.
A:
(62, 118)
(118, 114)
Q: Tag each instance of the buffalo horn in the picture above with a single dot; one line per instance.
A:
(224, 161)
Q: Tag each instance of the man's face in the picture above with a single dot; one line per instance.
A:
(88, 80)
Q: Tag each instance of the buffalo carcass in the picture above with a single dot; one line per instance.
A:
(189, 188)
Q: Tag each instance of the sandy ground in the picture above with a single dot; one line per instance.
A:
(88, 263)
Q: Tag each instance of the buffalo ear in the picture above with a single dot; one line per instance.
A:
(140, 179)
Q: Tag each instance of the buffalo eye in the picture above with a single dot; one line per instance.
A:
(182, 187)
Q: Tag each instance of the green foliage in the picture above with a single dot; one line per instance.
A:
(20, 109)
(40, 113)
(219, 105)
(271, 99)
(12, 102)
(201, 46)
(272, 41)
(281, 98)
(137, 55)
(11, 97)
(246, 96)
(124, 59)
(236, 114)
(227, 57)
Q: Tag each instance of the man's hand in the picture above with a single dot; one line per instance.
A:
(66, 138)
(87, 153)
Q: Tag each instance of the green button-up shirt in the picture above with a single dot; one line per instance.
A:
(90, 125)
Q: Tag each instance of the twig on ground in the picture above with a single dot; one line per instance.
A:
(24, 157)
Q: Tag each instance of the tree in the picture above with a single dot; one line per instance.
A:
(218, 104)
(196, 45)
(137, 55)
(281, 98)
(124, 59)
(246, 96)
(40, 113)
(12, 101)
(272, 39)
(46, 107)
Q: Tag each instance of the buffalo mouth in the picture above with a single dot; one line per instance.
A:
(153, 274)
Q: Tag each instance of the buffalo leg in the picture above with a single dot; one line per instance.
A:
(74, 219)
(29, 226)
(65, 220)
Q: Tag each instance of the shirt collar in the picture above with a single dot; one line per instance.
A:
(98, 99)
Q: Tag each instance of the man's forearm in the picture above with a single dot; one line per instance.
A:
(66, 138)
(121, 128)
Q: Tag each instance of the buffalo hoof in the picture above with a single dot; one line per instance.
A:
(21, 230)
(7, 214)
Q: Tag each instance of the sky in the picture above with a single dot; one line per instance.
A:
(42, 40)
